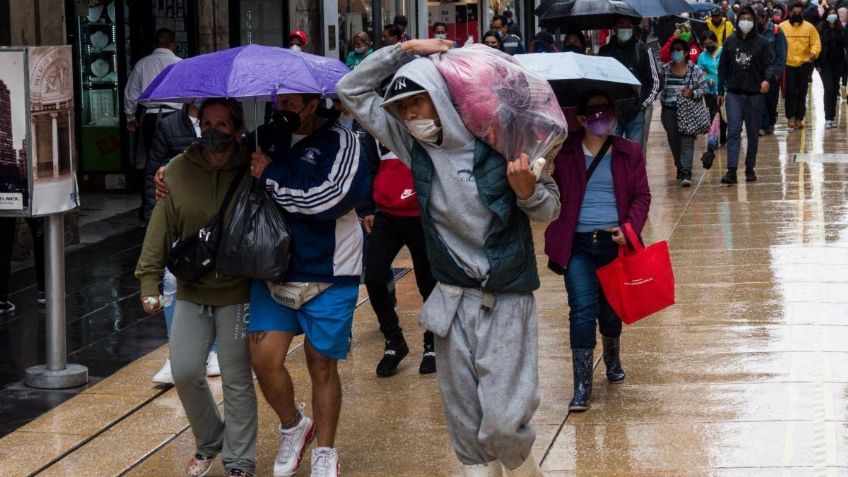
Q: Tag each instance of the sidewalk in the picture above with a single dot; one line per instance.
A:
(745, 376)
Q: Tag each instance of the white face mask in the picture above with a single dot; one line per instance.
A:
(746, 26)
(295, 48)
(440, 36)
(625, 34)
(359, 50)
(425, 130)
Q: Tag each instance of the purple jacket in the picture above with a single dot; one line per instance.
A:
(630, 180)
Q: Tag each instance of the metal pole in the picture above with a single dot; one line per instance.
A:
(54, 255)
(57, 374)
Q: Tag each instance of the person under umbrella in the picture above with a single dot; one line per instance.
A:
(604, 185)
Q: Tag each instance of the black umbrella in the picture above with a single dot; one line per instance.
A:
(582, 14)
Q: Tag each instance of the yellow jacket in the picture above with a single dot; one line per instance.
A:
(722, 31)
(801, 41)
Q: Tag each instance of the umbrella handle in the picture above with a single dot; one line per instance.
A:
(256, 127)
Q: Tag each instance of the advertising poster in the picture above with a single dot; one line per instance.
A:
(14, 126)
(37, 163)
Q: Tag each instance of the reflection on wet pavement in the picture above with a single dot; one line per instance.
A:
(745, 376)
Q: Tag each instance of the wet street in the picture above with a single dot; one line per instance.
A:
(745, 376)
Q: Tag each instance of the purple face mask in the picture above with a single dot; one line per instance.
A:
(600, 123)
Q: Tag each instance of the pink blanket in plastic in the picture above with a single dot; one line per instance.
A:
(503, 104)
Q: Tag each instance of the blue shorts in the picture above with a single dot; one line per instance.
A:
(326, 320)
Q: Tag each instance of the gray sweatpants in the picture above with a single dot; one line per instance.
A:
(194, 329)
(488, 373)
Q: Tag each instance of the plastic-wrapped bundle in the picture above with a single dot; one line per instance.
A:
(503, 104)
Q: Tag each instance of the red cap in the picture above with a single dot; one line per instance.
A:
(301, 35)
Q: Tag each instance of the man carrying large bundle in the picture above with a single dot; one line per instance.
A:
(475, 210)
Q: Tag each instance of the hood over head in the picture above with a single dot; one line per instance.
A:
(422, 72)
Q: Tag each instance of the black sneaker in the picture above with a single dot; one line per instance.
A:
(428, 360)
(750, 176)
(686, 181)
(392, 356)
(6, 307)
(238, 473)
(679, 175)
(729, 178)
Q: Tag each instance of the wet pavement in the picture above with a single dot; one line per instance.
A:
(745, 376)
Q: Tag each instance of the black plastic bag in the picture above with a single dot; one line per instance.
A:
(256, 241)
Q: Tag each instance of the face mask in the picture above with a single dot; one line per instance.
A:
(832, 18)
(678, 56)
(777, 19)
(717, 21)
(746, 26)
(796, 18)
(359, 50)
(425, 130)
(600, 124)
(712, 48)
(686, 36)
(573, 49)
(625, 34)
(295, 48)
(286, 122)
(213, 140)
(441, 36)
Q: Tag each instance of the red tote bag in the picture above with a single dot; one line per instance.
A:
(639, 282)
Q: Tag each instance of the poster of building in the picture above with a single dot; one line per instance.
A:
(14, 128)
(37, 151)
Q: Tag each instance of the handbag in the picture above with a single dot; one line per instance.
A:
(295, 294)
(256, 241)
(693, 117)
(640, 282)
(192, 258)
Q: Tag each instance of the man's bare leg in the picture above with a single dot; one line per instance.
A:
(326, 394)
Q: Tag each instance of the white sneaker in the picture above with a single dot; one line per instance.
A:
(293, 444)
(164, 375)
(489, 469)
(212, 368)
(325, 462)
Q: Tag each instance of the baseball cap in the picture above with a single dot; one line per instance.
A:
(402, 87)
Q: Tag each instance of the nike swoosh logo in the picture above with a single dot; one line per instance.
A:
(406, 194)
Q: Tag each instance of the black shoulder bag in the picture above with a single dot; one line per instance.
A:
(598, 158)
(193, 258)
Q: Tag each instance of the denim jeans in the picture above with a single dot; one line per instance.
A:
(747, 108)
(586, 300)
(772, 98)
(633, 129)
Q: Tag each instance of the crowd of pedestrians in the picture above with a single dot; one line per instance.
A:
(392, 165)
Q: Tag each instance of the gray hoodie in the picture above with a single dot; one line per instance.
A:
(460, 216)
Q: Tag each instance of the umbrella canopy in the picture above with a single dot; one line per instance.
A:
(700, 7)
(660, 8)
(571, 75)
(582, 14)
(246, 73)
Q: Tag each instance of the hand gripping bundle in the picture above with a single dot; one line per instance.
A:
(509, 108)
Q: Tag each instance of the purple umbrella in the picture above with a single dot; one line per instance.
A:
(246, 73)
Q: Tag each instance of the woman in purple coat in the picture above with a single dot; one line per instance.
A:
(604, 184)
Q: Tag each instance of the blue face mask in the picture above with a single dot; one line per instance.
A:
(677, 56)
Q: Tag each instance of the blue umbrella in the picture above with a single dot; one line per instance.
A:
(660, 8)
(246, 73)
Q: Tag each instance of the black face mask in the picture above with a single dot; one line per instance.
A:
(712, 48)
(573, 49)
(794, 18)
(286, 122)
(215, 141)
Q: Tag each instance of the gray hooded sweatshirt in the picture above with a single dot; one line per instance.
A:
(460, 216)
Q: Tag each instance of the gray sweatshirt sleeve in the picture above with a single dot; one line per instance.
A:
(358, 92)
(543, 206)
